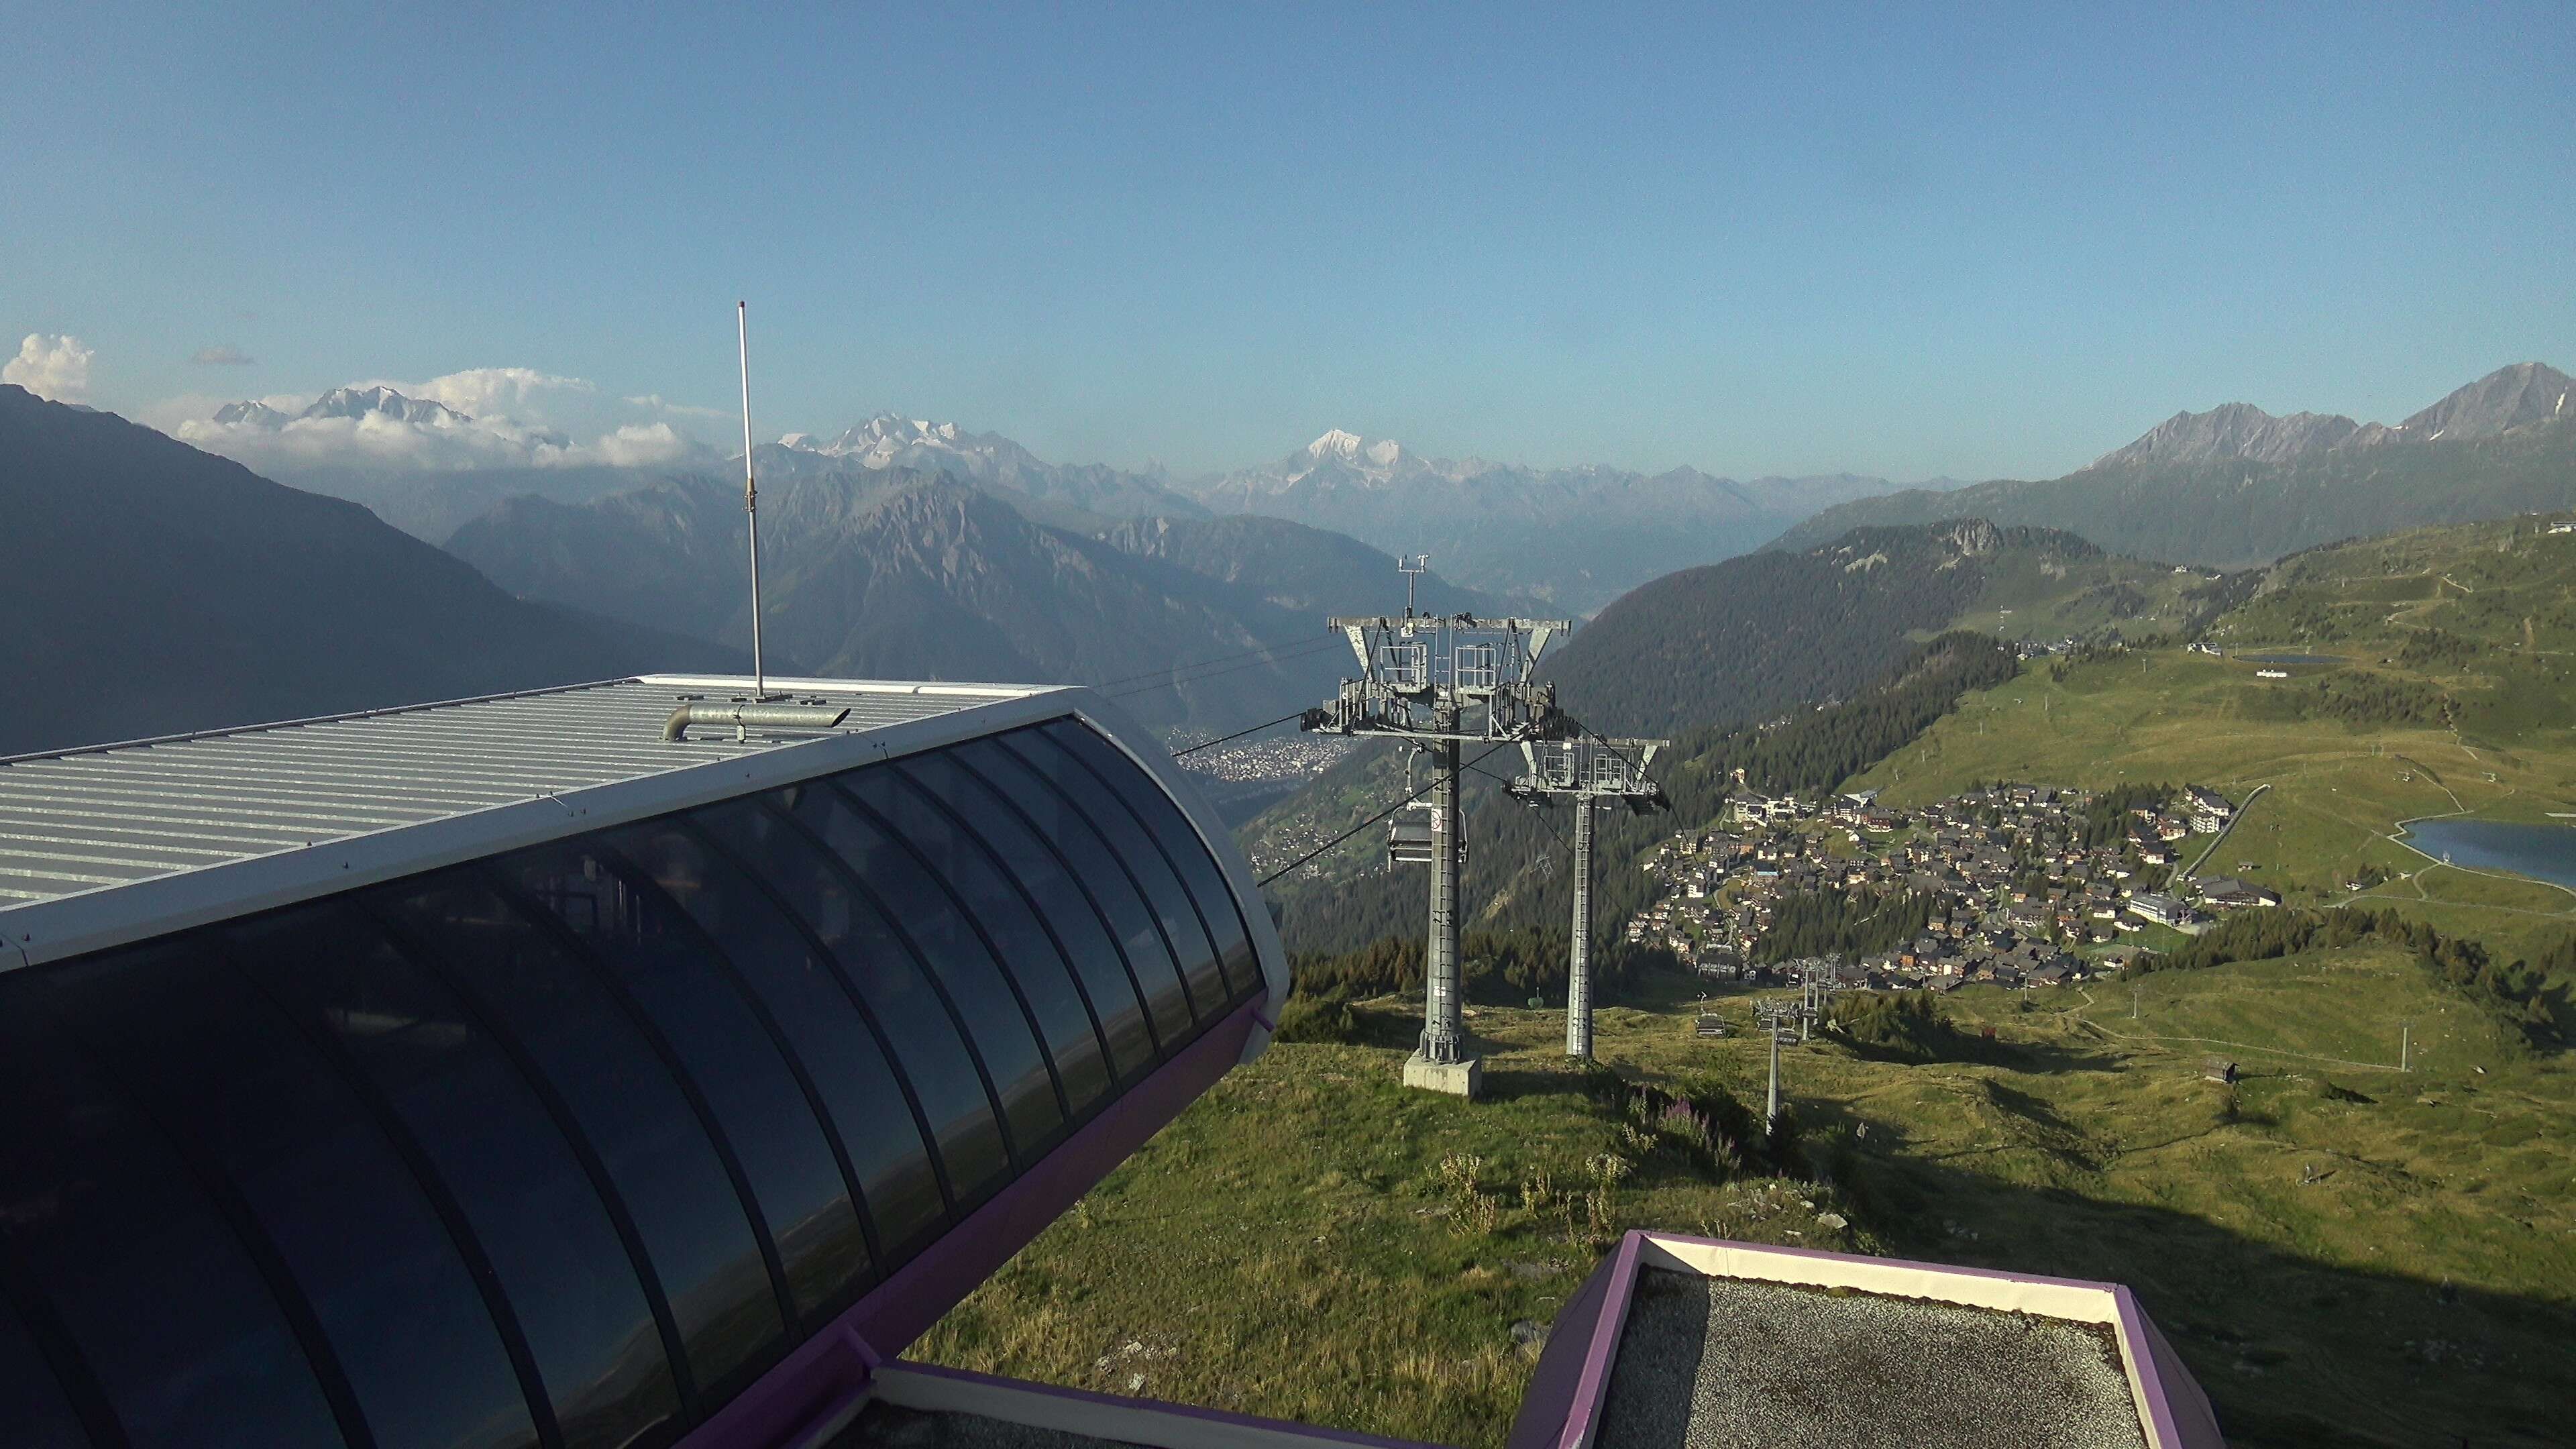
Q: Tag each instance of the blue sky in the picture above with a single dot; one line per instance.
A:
(1973, 243)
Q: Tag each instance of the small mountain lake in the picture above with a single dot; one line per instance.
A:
(2290, 658)
(2542, 852)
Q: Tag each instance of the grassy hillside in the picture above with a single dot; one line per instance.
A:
(2437, 702)
(2343, 1254)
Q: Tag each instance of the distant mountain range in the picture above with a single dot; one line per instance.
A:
(156, 589)
(901, 573)
(888, 442)
(1570, 538)
(356, 403)
(2237, 485)
(1576, 537)
(2498, 403)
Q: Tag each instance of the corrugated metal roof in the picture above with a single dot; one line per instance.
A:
(82, 820)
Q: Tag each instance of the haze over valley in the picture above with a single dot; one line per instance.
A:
(848, 727)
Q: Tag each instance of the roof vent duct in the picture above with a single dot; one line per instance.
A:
(752, 716)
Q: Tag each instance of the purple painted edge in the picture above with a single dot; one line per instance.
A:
(1601, 1354)
(1560, 1365)
(2184, 1422)
(1158, 1406)
(840, 1357)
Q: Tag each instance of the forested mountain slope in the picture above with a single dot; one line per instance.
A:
(901, 574)
(158, 589)
(1518, 873)
(1756, 636)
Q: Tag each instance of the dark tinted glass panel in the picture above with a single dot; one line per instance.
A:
(157, 1294)
(667, 968)
(216, 1061)
(881, 966)
(32, 1407)
(958, 855)
(624, 1103)
(513, 1175)
(842, 1057)
(928, 919)
(1111, 886)
(1181, 839)
(1137, 851)
(1077, 926)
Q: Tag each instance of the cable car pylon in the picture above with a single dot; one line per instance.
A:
(1586, 768)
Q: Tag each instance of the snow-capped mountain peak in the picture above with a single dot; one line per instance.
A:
(358, 402)
(251, 414)
(1342, 447)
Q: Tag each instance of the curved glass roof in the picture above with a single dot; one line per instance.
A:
(568, 1145)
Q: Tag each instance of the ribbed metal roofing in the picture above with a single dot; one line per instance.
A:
(80, 820)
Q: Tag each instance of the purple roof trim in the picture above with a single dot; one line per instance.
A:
(1178, 1411)
(823, 1372)
(2179, 1405)
(1548, 1400)
(1601, 1353)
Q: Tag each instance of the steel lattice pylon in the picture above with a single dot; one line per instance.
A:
(1441, 681)
(1586, 768)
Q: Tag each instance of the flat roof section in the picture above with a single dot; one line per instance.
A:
(1684, 1341)
(1750, 1365)
(81, 824)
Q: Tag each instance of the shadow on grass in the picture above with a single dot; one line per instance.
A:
(1967, 1047)
(2292, 1351)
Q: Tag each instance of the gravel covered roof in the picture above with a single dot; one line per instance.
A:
(1708, 1362)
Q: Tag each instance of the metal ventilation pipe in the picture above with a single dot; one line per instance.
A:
(749, 716)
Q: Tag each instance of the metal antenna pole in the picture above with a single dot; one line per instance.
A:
(750, 497)
(1412, 566)
(1578, 966)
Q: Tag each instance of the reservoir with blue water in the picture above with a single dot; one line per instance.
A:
(2542, 852)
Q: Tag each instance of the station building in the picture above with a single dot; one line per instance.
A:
(628, 1064)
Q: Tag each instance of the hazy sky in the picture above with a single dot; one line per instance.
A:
(1755, 242)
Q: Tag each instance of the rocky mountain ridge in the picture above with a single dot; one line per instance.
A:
(2500, 402)
(2237, 486)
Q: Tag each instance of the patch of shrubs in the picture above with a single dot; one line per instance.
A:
(1313, 1018)
(1907, 1024)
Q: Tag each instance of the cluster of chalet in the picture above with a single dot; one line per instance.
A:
(2013, 884)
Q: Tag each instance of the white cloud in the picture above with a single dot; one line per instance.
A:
(655, 403)
(512, 392)
(51, 366)
(643, 446)
(224, 355)
(511, 417)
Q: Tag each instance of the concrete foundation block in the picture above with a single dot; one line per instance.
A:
(1458, 1079)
